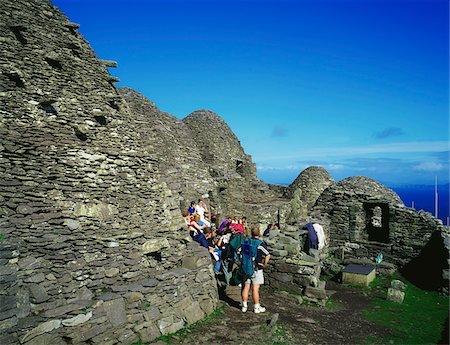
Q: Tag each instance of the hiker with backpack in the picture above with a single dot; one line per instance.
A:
(254, 258)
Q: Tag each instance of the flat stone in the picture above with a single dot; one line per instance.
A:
(35, 278)
(115, 311)
(279, 252)
(398, 285)
(148, 282)
(112, 272)
(46, 339)
(45, 327)
(38, 293)
(315, 292)
(77, 320)
(155, 245)
(72, 224)
(7, 303)
(130, 275)
(193, 313)
(65, 309)
(149, 332)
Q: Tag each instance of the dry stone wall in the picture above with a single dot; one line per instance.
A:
(363, 219)
(175, 148)
(98, 253)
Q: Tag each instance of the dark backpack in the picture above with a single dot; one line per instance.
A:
(249, 250)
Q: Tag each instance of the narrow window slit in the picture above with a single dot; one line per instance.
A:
(17, 31)
(48, 107)
(54, 63)
(100, 120)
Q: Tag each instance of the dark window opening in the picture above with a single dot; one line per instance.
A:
(54, 63)
(101, 120)
(377, 222)
(48, 107)
(16, 79)
(17, 31)
(114, 105)
(240, 167)
(80, 135)
(157, 256)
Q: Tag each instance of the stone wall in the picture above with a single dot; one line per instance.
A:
(291, 268)
(363, 219)
(176, 150)
(103, 255)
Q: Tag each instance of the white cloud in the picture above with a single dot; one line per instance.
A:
(429, 166)
(408, 147)
(335, 166)
(289, 167)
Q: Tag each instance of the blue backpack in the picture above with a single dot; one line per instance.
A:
(249, 249)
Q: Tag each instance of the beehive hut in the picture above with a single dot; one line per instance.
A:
(175, 148)
(238, 189)
(363, 219)
(305, 190)
(92, 249)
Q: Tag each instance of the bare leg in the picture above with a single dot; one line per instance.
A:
(255, 293)
(245, 291)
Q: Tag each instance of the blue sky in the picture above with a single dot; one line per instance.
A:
(358, 87)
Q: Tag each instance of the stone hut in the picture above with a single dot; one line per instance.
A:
(175, 148)
(92, 248)
(305, 190)
(238, 192)
(363, 218)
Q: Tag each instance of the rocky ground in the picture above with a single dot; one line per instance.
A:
(288, 322)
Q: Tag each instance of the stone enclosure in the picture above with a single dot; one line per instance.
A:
(93, 180)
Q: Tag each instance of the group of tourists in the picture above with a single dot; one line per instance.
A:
(239, 253)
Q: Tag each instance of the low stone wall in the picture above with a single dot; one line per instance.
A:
(290, 268)
(105, 303)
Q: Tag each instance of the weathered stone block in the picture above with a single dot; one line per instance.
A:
(115, 311)
(38, 293)
(398, 285)
(45, 327)
(282, 277)
(77, 320)
(395, 295)
(149, 332)
(193, 313)
(155, 245)
(279, 252)
(315, 292)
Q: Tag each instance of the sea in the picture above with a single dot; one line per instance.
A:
(422, 197)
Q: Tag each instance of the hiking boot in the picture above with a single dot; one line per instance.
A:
(260, 310)
(244, 309)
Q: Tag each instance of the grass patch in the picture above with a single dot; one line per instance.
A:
(280, 336)
(419, 320)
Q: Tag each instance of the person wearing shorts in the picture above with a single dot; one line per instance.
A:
(257, 279)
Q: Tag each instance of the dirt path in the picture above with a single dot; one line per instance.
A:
(296, 324)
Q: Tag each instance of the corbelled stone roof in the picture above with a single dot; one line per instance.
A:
(306, 189)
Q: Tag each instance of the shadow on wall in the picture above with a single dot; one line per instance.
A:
(425, 270)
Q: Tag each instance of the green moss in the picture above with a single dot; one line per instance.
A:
(419, 320)
(280, 336)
